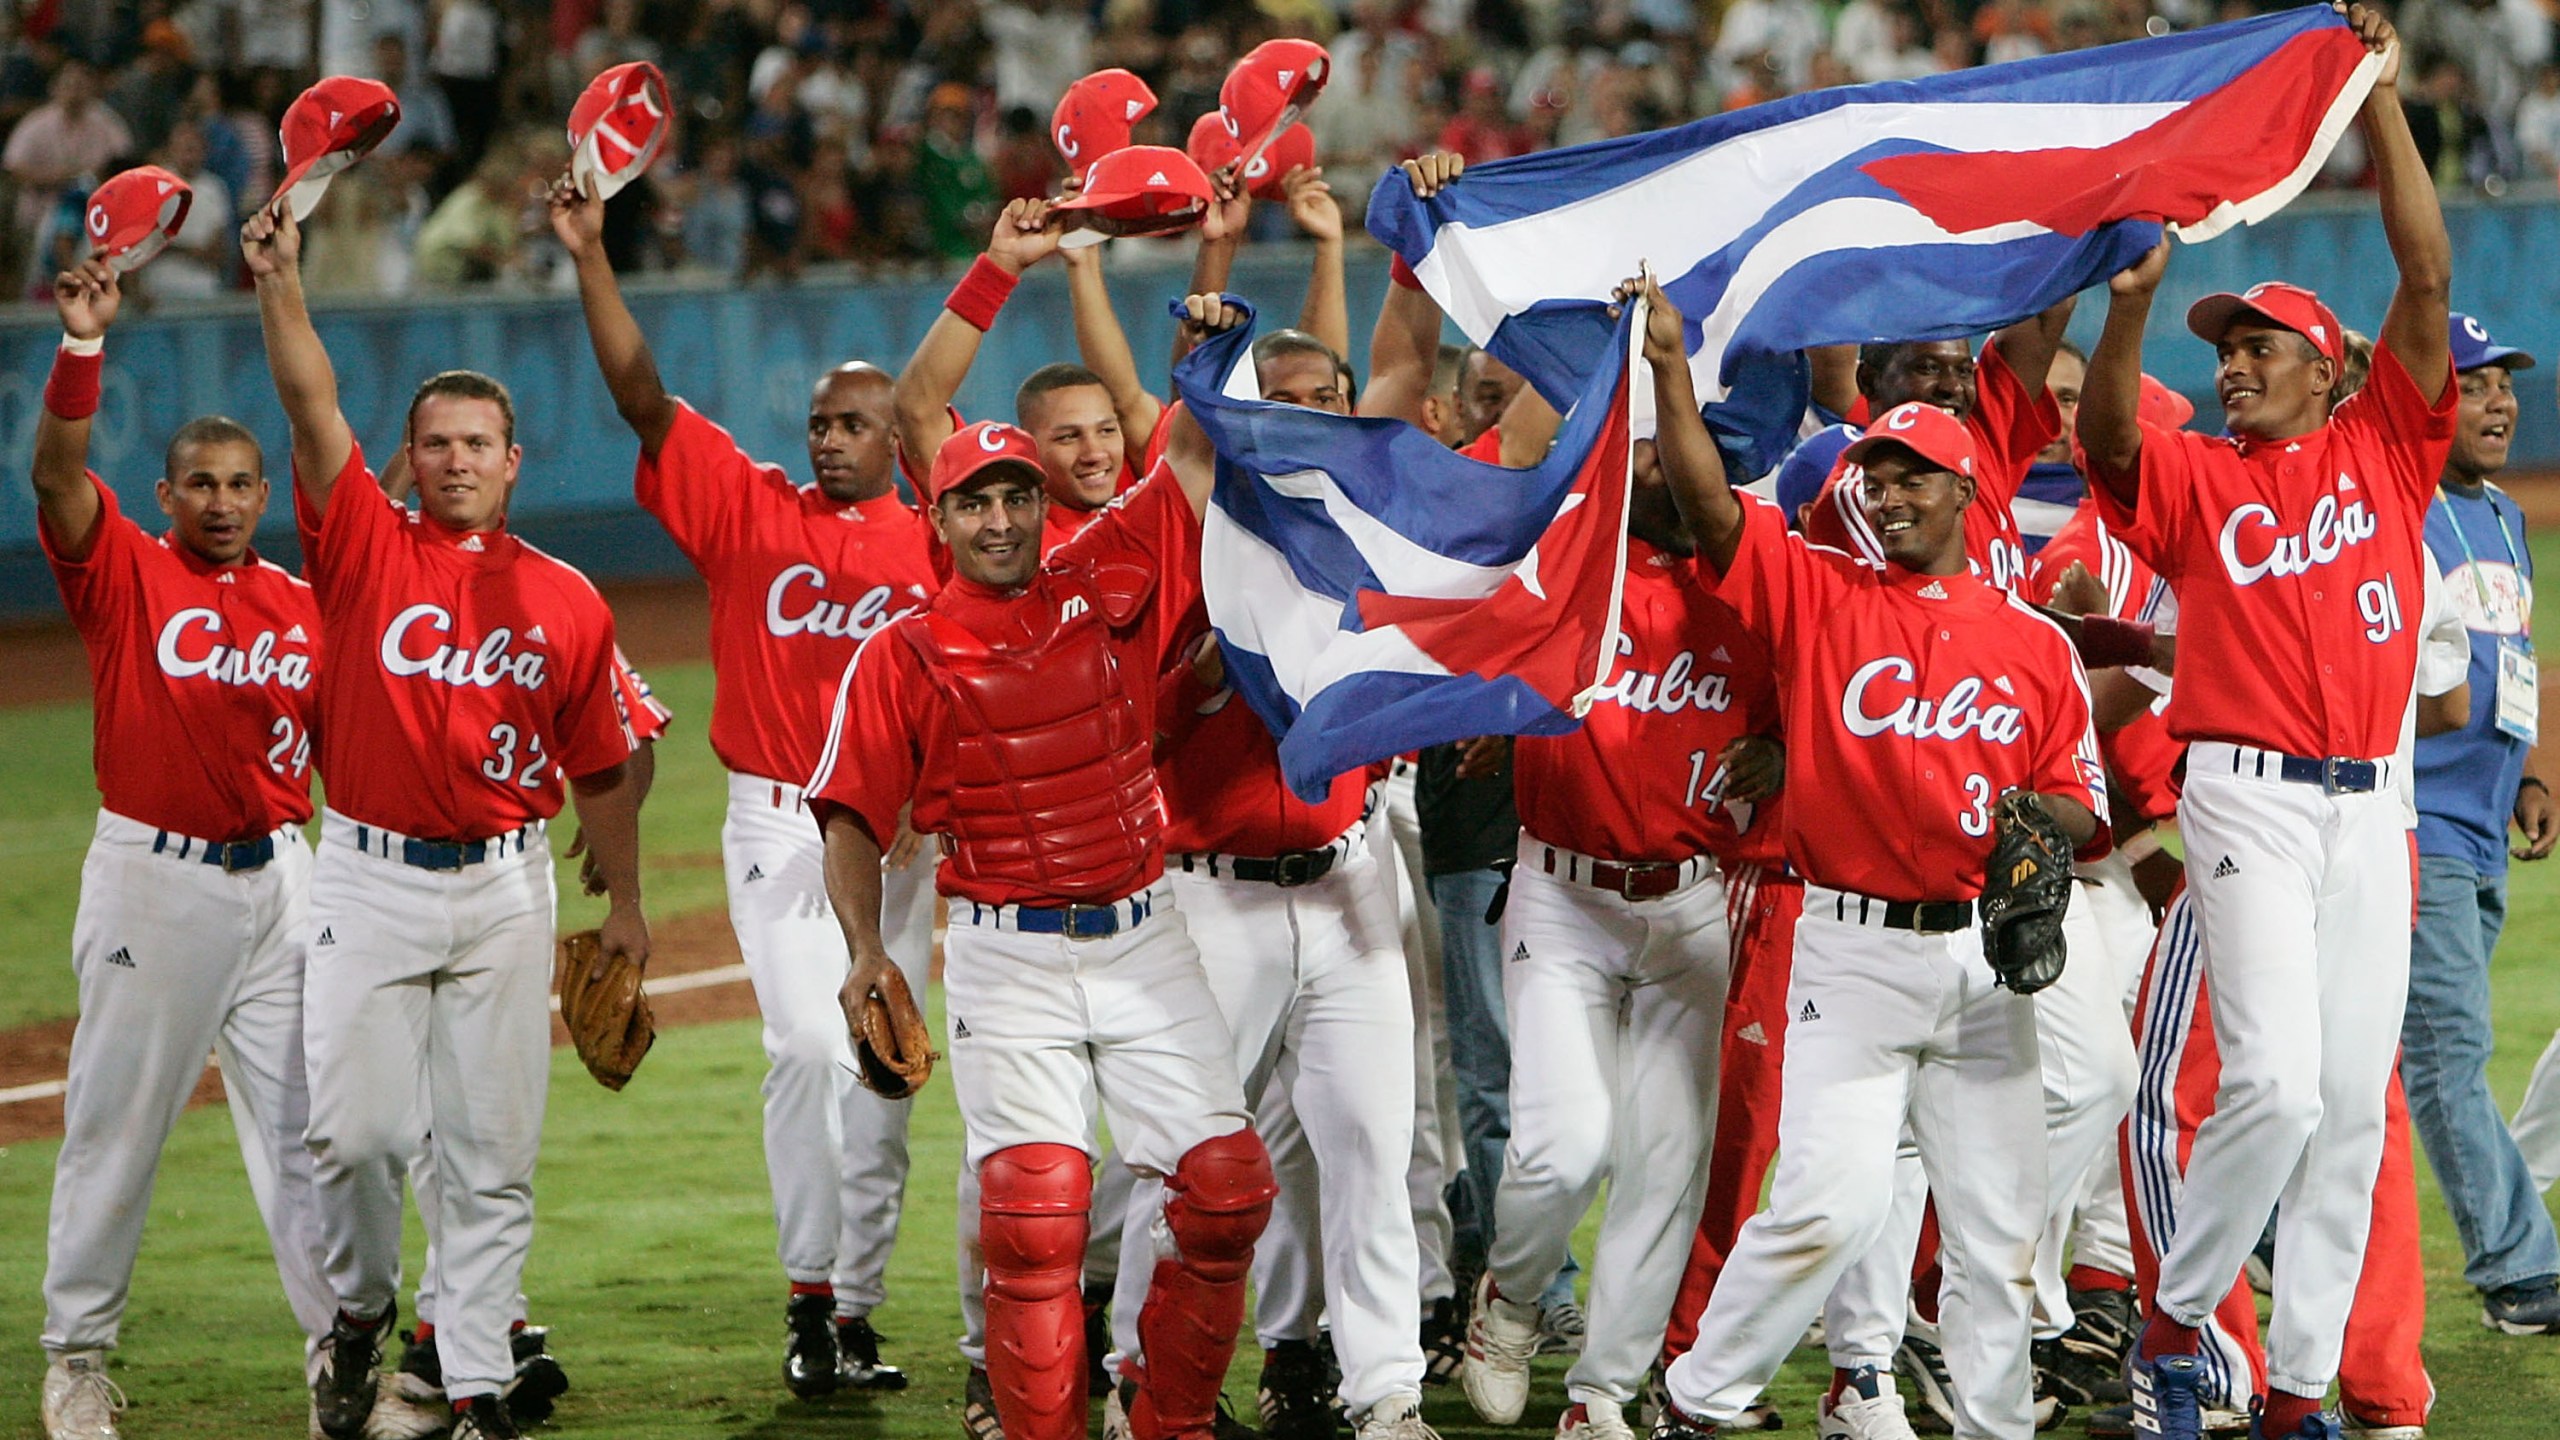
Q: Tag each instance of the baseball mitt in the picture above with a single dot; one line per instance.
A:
(601, 1003)
(893, 1052)
(2026, 887)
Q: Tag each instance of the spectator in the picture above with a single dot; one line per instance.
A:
(2452, 136)
(2013, 30)
(1787, 31)
(150, 92)
(773, 197)
(465, 60)
(2538, 124)
(714, 228)
(615, 39)
(1865, 39)
(1482, 130)
(1041, 47)
(476, 233)
(199, 263)
(959, 195)
(829, 222)
(69, 140)
(426, 122)
(1025, 166)
(348, 29)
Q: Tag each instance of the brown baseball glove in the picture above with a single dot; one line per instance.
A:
(601, 1003)
(893, 1052)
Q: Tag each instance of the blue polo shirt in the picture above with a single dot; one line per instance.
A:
(2467, 778)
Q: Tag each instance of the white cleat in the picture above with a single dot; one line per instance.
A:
(80, 1402)
(1593, 1420)
(1869, 1408)
(1398, 1417)
(1501, 1338)
(406, 1408)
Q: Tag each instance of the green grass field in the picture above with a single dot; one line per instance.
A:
(654, 1261)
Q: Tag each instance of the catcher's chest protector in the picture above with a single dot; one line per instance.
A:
(1054, 788)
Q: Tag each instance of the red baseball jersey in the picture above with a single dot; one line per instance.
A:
(1065, 522)
(1486, 447)
(2298, 567)
(205, 680)
(1633, 782)
(1912, 703)
(1223, 792)
(464, 674)
(2009, 427)
(636, 703)
(797, 582)
(2141, 758)
(893, 739)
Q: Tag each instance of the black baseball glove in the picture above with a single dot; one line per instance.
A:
(2026, 886)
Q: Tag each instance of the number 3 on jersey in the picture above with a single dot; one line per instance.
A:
(1976, 819)
(501, 766)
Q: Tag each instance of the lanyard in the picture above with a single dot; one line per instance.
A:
(2515, 561)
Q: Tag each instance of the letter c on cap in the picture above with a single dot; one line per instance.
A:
(1903, 418)
(2472, 327)
(991, 439)
(1067, 146)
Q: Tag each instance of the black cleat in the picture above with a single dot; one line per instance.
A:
(350, 1358)
(1097, 1341)
(810, 1364)
(483, 1417)
(2102, 1324)
(858, 1346)
(2532, 1308)
(539, 1381)
(1295, 1401)
(418, 1360)
(2074, 1377)
(1444, 1340)
(1674, 1425)
(978, 1420)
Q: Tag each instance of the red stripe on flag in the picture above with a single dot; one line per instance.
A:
(2231, 145)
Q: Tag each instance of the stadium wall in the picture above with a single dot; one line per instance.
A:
(745, 355)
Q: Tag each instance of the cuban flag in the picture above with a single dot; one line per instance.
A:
(1375, 592)
(1931, 209)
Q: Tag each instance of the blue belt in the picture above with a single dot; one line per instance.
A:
(1075, 922)
(441, 854)
(232, 856)
(2336, 775)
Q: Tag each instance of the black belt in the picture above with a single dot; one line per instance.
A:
(446, 855)
(1925, 917)
(233, 856)
(1297, 867)
(1080, 922)
(2336, 775)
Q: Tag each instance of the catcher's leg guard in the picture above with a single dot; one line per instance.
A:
(1032, 1204)
(1216, 1202)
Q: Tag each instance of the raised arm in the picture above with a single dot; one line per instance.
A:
(2109, 431)
(1221, 231)
(922, 399)
(1104, 346)
(2415, 327)
(2030, 345)
(1187, 448)
(87, 297)
(622, 352)
(1405, 348)
(308, 388)
(1687, 452)
(1327, 312)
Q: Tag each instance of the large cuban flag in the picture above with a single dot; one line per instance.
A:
(1909, 210)
(1375, 591)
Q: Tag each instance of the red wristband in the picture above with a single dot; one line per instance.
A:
(71, 391)
(981, 293)
(2105, 641)
(1402, 274)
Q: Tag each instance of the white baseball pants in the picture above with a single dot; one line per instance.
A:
(2118, 926)
(1395, 837)
(175, 958)
(431, 982)
(1312, 982)
(2537, 1122)
(1617, 1017)
(2304, 903)
(835, 1153)
(1888, 1028)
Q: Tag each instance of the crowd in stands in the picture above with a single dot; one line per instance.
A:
(878, 133)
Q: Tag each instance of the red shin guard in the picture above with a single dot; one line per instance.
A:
(1032, 1206)
(1216, 1202)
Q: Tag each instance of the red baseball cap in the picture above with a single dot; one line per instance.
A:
(1096, 115)
(2273, 301)
(1139, 190)
(973, 450)
(1270, 88)
(1213, 145)
(329, 127)
(618, 126)
(2163, 406)
(135, 215)
(1922, 428)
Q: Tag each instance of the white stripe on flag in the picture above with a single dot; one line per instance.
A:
(1403, 567)
(1298, 630)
